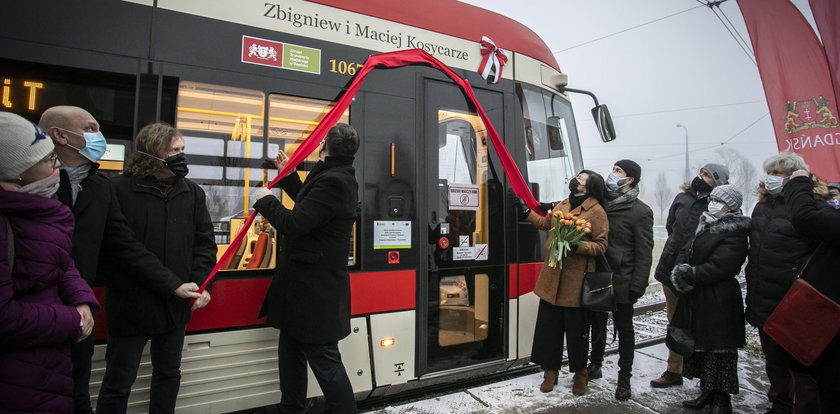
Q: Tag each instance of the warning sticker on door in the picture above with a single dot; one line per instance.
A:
(463, 197)
(481, 252)
(463, 253)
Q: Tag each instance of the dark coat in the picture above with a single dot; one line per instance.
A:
(715, 304)
(819, 223)
(102, 228)
(683, 218)
(630, 251)
(777, 252)
(561, 287)
(309, 297)
(177, 229)
(38, 318)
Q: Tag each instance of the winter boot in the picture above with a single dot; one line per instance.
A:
(622, 391)
(593, 371)
(579, 382)
(668, 379)
(722, 403)
(703, 400)
(549, 380)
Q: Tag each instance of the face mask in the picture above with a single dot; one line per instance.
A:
(700, 185)
(716, 209)
(614, 182)
(774, 184)
(176, 163)
(95, 145)
(45, 187)
(573, 186)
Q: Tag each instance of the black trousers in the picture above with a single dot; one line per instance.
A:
(122, 360)
(623, 320)
(325, 361)
(792, 390)
(81, 354)
(553, 323)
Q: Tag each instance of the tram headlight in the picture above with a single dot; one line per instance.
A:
(387, 342)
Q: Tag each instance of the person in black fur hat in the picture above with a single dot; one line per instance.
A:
(710, 304)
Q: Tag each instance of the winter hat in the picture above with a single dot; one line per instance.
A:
(719, 172)
(729, 195)
(835, 186)
(632, 169)
(22, 145)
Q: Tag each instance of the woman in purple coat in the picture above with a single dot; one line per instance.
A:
(44, 304)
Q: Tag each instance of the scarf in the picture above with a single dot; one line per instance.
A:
(576, 201)
(617, 198)
(76, 175)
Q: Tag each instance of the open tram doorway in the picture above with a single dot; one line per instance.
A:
(462, 291)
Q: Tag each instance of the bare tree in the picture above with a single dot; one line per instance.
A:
(742, 175)
(662, 195)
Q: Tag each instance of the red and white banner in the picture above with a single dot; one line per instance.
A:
(797, 83)
(827, 15)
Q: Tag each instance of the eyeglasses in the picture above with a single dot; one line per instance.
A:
(52, 158)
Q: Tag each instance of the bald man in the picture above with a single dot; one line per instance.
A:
(100, 225)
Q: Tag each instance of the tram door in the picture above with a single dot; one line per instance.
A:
(463, 310)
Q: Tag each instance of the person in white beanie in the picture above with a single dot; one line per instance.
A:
(44, 304)
(710, 304)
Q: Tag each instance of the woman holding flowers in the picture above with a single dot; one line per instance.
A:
(578, 230)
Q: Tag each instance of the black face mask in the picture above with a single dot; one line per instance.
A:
(700, 185)
(573, 186)
(178, 164)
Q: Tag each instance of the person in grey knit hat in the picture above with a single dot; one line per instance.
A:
(834, 190)
(729, 195)
(718, 172)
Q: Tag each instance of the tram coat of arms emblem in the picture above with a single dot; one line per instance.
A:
(262, 52)
(813, 113)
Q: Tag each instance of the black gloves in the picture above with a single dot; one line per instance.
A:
(635, 295)
(548, 206)
(522, 211)
(683, 278)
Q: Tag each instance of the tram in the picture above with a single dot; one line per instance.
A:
(441, 271)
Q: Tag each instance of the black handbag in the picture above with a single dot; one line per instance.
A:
(597, 293)
(678, 338)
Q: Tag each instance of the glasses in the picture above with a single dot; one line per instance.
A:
(52, 159)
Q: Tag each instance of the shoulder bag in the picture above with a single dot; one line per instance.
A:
(597, 292)
(805, 322)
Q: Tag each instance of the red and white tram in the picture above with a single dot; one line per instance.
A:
(441, 272)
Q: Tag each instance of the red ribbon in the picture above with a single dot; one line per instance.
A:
(388, 60)
(492, 57)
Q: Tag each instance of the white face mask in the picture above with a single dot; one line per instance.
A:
(774, 184)
(716, 209)
(45, 187)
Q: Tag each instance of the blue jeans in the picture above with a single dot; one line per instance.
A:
(122, 359)
(325, 361)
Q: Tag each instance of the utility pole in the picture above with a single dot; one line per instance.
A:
(687, 171)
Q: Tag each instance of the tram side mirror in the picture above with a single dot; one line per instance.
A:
(604, 123)
(555, 133)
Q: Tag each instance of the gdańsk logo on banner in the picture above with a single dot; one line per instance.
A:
(813, 113)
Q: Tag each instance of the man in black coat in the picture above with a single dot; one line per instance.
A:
(683, 217)
(309, 297)
(100, 226)
(629, 255)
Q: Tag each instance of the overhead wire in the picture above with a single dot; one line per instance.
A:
(716, 145)
(732, 31)
(626, 30)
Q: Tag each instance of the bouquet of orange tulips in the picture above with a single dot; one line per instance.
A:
(566, 231)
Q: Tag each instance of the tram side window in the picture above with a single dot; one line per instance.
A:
(547, 142)
(224, 137)
(290, 120)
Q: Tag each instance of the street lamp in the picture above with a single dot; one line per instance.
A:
(687, 171)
